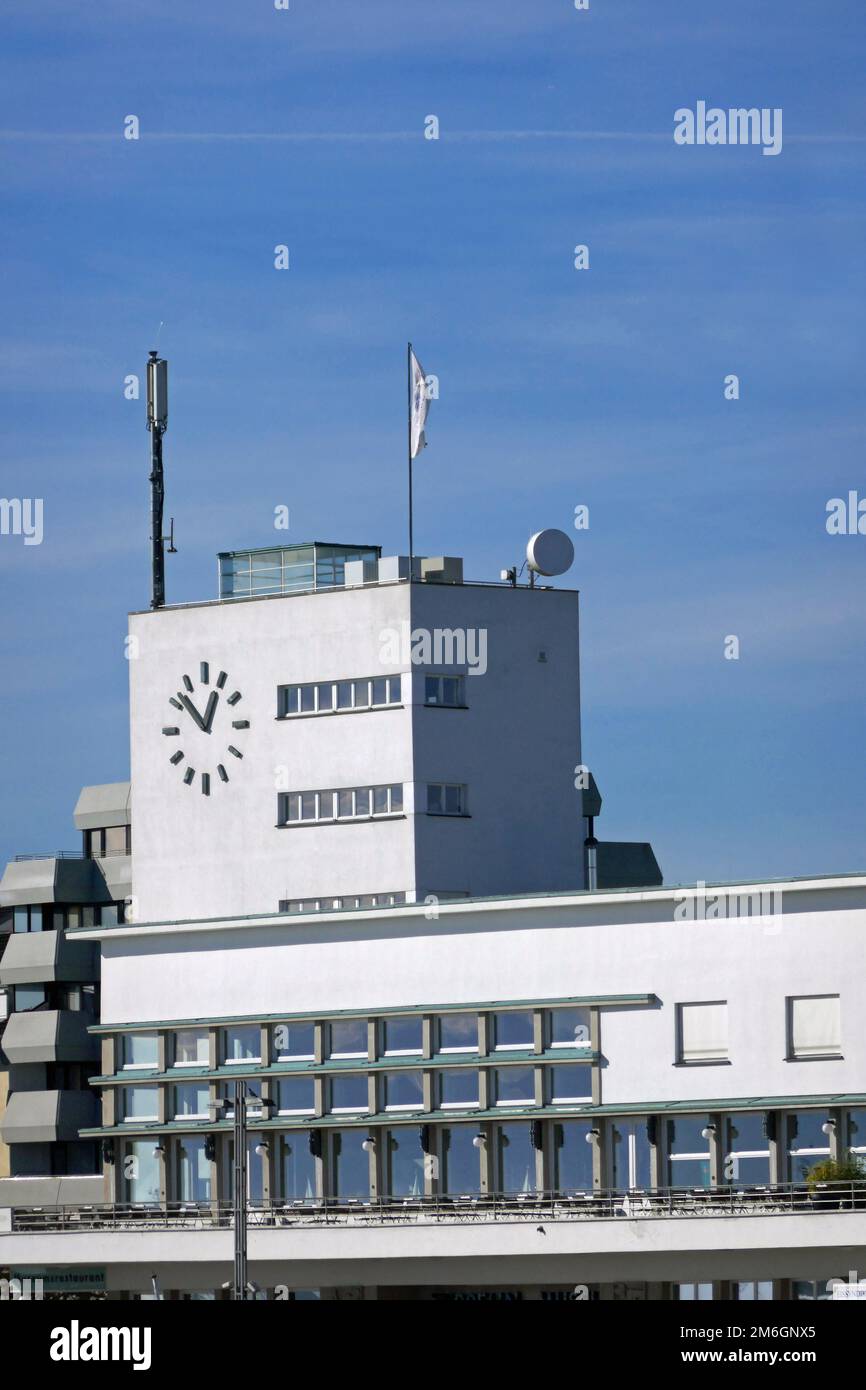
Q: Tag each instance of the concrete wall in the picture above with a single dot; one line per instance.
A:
(541, 949)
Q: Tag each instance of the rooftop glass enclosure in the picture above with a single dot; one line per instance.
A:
(288, 569)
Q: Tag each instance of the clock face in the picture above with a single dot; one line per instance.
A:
(208, 734)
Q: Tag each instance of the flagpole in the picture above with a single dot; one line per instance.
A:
(409, 423)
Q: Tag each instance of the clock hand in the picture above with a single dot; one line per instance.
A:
(188, 704)
(210, 711)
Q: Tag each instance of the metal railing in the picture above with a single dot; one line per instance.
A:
(51, 854)
(658, 1203)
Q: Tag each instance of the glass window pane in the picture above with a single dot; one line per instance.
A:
(690, 1172)
(404, 1090)
(344, 694)
(569, 1027)
(326, 696)
(514, 1085)
(291, 699)
(326, 805)
(349, 1038)
(293, 1040)
(402, 1034)
(191, 1101)
(570, 1083)
(242, 1043)
(193, 1171)
(394, 689)
(362, 801)
(295, 1095)
(351, 1164)
(431, 690)
(516, 1158)
(345, 803)
(573, 1156)
(450, 690)
(141, 1050)
(36, 923)
(857, 1129)
(397, 797)
(308, 699)
(458, 1088)
(191, 1047)
(631, 1155)
(380, 801)
(684, 1135)
(458, 1033)
(294, 806)
(405, 1162)
(804, 1128)
(435, 802)
(115, 839)
(140, 1102)
(297, 1168)
(308, 805)
(28, 997)
(512, 1030)
(349, 1093)
(453, 800)
(141, 1171)
(362, 694)
(461, 1160)
(380, 691)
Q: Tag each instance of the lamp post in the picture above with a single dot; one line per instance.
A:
(243, 1096)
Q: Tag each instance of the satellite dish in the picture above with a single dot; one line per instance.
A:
(549, 552)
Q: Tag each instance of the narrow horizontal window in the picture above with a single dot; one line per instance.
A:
(329, 697)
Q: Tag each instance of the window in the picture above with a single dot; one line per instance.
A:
(573, 1156)
(751, 1289)
(252, 1090)
(446, 799)
(191, 1047)
(747, 1150)
(191, 1101)
(512, 1031)
(856, 1136)
(296, 1095)
(26, 919)
(26, 998)
(632, 1155)
(193, 1171)
(514, 1085)
(458, 1033)
(350, 1164)
(689, 1293)
(405, 1176)
(688, 1152)
(348, 1038)
(141, 1171)
(348, 803)
(348, 1094)
(111, 839)
(461, 1160)
(702, 1032)
(807, 1142)
(448, 691)
(329, 697)
(297, 1168)
(458, 1089)
(294, 1042)
(141, 1050)
(402, 1037)
(814, 1026)
(403, 1090)
(570, 1084)
(569, 1027)
(516, 1158)
(139, 1103)
(242, 1043)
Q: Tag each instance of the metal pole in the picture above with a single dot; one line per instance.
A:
(156, 424)
(239, 1169)
(409, 427)
(591, 848)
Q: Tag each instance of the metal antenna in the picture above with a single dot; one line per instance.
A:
(157, 423)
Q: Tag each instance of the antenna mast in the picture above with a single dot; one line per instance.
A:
(157, 423)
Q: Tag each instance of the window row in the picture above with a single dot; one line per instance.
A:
(334, 697)
(506, 1030)
(813, 1029)
(45, 917)
(110, 840)
(566, 1155)
(349, 803)
(458, 1088)
(77, 998)
(330, 902)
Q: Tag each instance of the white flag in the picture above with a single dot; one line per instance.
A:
(420, 406)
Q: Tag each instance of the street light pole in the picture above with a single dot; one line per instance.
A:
(240, 1191)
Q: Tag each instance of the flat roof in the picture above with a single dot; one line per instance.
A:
(294, 545)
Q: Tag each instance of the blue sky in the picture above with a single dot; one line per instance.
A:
(558, 387)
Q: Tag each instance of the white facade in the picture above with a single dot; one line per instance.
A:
(513, 748)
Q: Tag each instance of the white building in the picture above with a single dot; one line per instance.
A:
(477, 1078)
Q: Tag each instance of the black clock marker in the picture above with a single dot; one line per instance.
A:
(205, 673)
(222, 772)
(221, 680)
(233, 699)
(189, 775)
(171, 731)
(176, 758)
(236, 724)
(205, 784)
(188, 683)
(235, 751)
(177, 704)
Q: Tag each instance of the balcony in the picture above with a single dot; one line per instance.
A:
(46, 1117)
(50, 1035)
(34, 958)
(58, 878)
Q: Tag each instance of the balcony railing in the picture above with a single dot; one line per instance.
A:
(51, 854)
(659, 1203)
